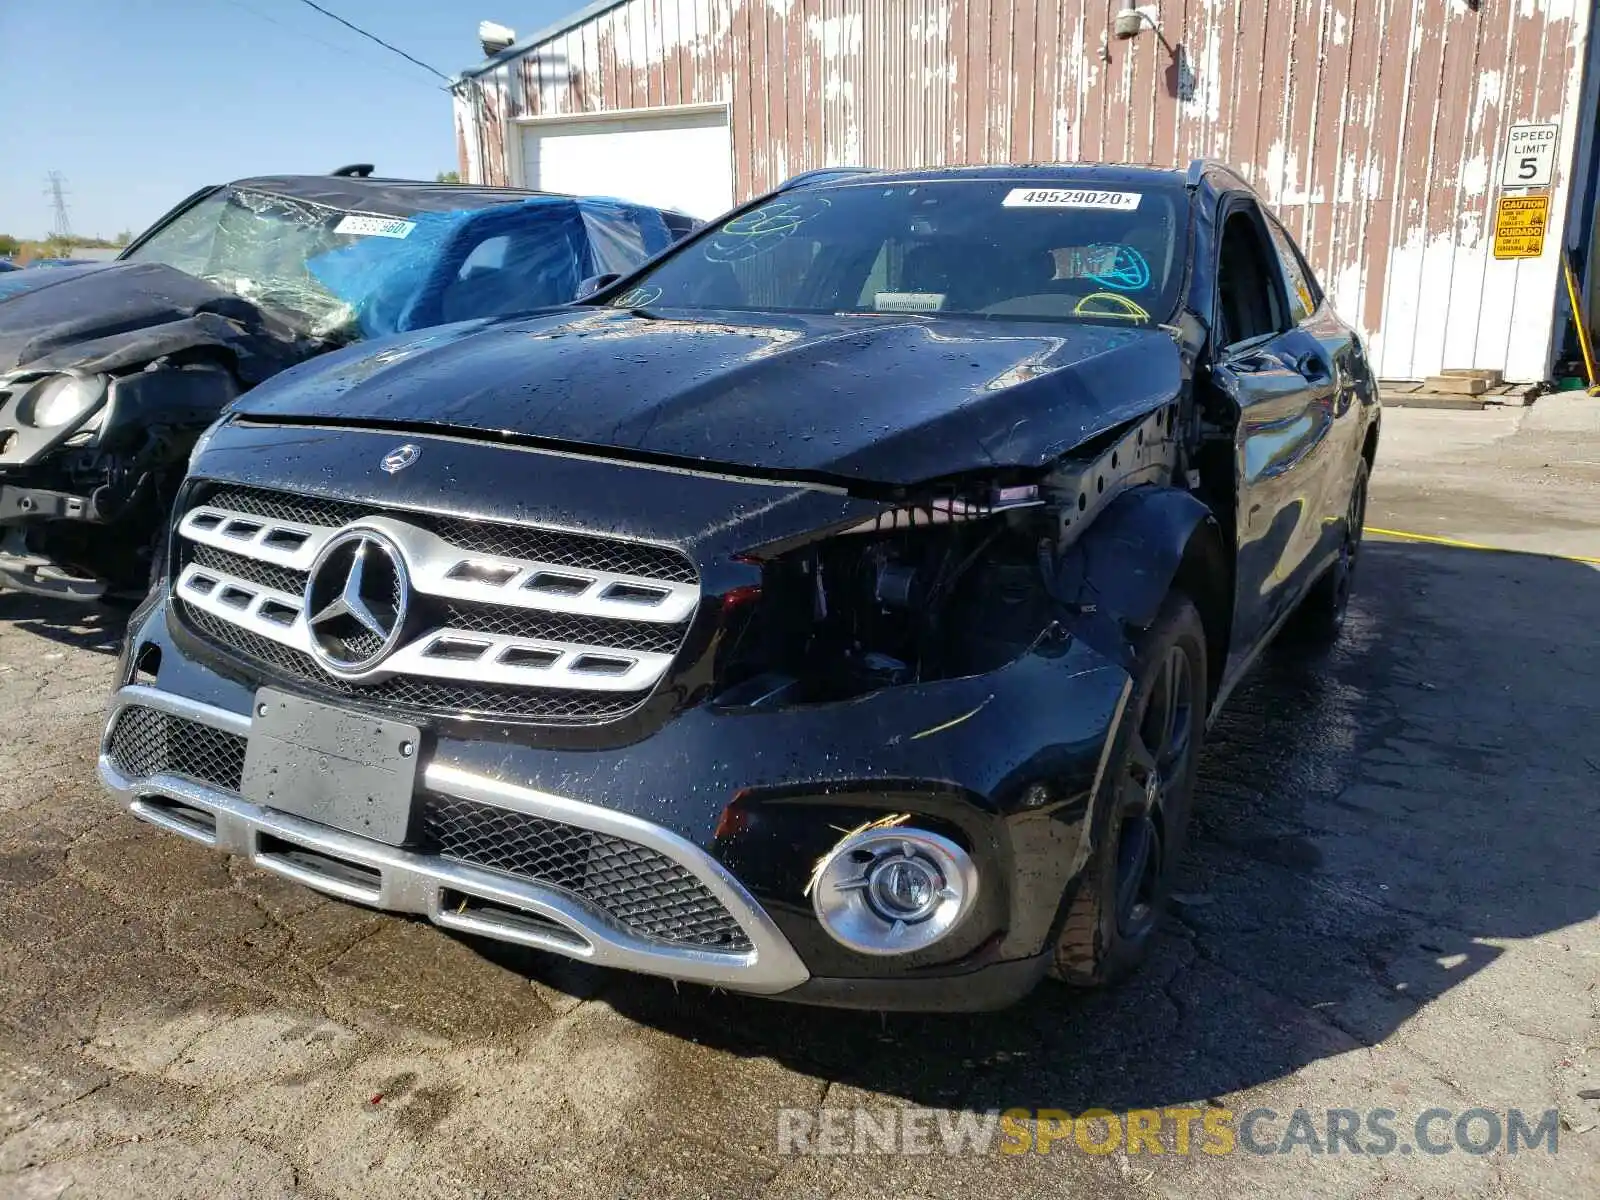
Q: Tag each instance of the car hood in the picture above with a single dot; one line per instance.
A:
(891, 400)
(118, 316)
(18, 280)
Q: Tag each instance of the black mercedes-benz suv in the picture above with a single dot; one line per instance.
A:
(832, 609)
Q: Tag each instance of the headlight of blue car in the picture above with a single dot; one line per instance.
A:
(59, 400)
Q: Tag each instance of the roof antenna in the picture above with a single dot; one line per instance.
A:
(353, 171)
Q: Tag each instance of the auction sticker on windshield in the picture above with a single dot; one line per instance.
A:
(387, 227)
(908, 301)
(1071, 198)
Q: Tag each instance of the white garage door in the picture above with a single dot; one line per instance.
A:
(667, 158)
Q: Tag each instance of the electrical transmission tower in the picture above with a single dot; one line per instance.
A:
(57, 192)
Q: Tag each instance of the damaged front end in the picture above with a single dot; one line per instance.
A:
(953, 580)
(959, 662)
(89, 463)
(108, 377)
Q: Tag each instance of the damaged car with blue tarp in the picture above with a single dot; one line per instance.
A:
(108, 373)
(832, 609)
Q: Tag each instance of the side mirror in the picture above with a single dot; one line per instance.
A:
(595, 283)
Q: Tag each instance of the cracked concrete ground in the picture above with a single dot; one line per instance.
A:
(1391, 901)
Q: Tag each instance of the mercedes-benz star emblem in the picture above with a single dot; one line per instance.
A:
(355, 601)
(401, 457)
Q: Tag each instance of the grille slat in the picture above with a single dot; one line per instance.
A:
(560, 627)
(555, 546)
(573, 698)
(560, 548)
(266, 574)
(441, 696)
(643, 889)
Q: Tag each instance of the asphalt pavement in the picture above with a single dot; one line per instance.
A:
(1390, 903)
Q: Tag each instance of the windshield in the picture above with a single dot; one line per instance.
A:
(257, 246)
(972, 248)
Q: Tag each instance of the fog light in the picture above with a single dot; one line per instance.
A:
(903, 889)
(893, 890)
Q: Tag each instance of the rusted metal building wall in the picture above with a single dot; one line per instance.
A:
(1374, 127)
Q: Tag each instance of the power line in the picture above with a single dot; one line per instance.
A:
(53, 188)
(300, 33)
(374, 38)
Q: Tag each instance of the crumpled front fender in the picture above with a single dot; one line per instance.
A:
(1116, 574)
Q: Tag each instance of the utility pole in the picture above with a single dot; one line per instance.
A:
(57, 192)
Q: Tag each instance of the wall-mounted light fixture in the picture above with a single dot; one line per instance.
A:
(1130, 21)
(1129, 24)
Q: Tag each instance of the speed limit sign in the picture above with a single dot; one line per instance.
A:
(1530, 155)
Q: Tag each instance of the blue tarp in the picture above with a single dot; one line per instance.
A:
(456, 266)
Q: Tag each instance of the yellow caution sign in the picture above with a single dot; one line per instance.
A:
(1519, 225)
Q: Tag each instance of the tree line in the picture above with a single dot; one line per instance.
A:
(24, 250)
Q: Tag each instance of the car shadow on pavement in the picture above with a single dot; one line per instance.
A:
(1371, 819)
(97, 627)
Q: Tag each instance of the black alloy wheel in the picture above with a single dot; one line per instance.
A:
(1158, 754)
(1142, 810)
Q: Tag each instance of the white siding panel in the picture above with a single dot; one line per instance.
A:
(1375, 127)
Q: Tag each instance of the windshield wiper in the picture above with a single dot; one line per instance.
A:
(644, 314)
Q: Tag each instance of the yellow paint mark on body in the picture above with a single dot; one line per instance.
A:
(950, 724)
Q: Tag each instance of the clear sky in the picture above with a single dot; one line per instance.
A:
(139, 102)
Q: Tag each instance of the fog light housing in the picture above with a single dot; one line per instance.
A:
(893, 890)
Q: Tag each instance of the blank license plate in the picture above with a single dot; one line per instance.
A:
(331, 766)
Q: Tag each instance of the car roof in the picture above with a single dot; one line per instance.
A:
(1091, 174)
(384, 197)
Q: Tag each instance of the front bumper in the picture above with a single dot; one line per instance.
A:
(452, 894)
(1007, 764)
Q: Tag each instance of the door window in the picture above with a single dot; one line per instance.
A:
(532, 266)
(1304, 295)
(1250, 302)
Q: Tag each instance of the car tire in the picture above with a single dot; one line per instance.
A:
(1142, 809)
(1320, 617)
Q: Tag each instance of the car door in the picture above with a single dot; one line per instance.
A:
(1278, 379)
(1341, 350)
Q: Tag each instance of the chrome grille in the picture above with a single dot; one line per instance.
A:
(515, 541)
(560, 627)
(284, 506)
(550, 705)
(564, 549)
(506, 620)
(243, 567)
(146, 742)
(642, 889)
